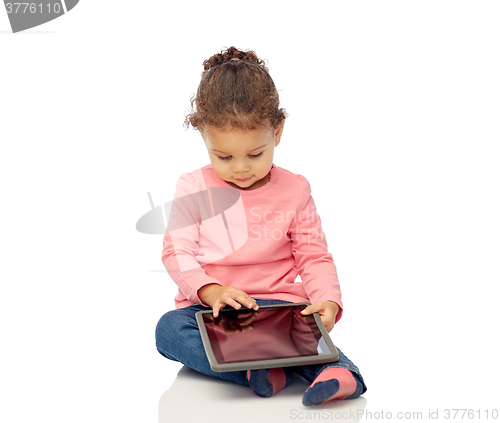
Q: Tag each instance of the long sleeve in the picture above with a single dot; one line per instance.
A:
(181, 240)
(313, 261)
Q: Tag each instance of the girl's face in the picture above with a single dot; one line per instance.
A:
(243, 158)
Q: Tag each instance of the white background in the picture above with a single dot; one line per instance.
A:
(393, 118)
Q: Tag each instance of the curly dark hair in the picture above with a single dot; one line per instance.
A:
(236, 91)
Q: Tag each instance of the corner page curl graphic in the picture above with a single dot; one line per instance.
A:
(26, 15)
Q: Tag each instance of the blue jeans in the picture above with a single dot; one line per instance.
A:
(178, 338)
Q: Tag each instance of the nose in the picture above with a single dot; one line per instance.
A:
(240, 166)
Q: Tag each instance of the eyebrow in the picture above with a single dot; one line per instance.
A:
(218, 151)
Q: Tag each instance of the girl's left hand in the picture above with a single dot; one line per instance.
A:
(327, 310)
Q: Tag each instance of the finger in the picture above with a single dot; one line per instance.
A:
(328, 322)
(305, 311)
(329, 326)
(246, 300)
(230, 301)
(254, 304)
(216, 308)
(314, 308)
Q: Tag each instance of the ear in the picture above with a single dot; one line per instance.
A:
(277, 134)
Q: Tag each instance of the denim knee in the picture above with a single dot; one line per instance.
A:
(167, 332)
(175, 330)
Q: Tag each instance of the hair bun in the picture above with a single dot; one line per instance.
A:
(232, 54)
(235, 91)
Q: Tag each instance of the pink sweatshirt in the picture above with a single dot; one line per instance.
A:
(257, 241)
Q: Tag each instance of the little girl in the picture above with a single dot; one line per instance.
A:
(247, 246)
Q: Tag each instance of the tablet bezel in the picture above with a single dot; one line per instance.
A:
(265, 364)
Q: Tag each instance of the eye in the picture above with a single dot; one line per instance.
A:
(253, 156)
(224, 158)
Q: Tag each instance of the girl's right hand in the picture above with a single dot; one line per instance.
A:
(217, 296)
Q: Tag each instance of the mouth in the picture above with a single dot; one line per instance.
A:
(243, 179)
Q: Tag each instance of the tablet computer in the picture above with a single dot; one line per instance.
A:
(273, 336)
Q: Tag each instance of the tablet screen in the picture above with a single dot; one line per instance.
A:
(265, 334)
